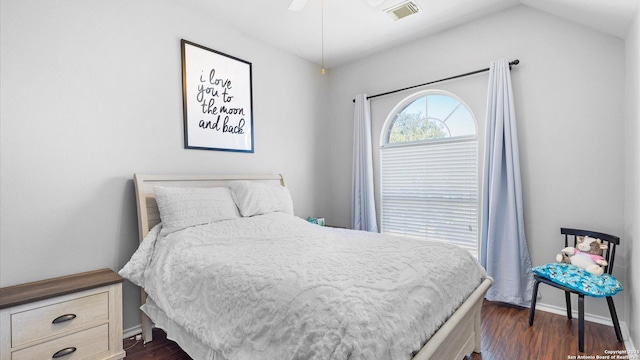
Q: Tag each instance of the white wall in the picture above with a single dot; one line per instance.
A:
(632, 176)
(569, 91)
(91, 93)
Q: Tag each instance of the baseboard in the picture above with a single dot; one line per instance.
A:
(628, 343)
(130, 332)
(587, 317)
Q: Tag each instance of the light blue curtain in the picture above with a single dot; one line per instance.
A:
(363, 209)
(503, 250)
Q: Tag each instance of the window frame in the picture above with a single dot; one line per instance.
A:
(385, 134)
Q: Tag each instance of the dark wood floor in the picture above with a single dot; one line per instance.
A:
(505, 335)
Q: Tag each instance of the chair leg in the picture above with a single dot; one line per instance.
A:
(614, 318)
(534, 298)
(567, 298)
(581, 323)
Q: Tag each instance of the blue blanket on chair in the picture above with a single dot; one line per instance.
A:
(579, 279)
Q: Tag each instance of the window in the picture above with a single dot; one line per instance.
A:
(429, 170)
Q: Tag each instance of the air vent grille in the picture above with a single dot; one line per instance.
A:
(402, 10)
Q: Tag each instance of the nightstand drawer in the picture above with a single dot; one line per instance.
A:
(32, 325)
(86, 343)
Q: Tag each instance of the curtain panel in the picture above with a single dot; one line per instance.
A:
(363, 209)
(503, 249)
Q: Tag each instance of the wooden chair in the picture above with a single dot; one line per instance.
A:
(609, 255)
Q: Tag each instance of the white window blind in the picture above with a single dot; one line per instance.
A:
(429, 190)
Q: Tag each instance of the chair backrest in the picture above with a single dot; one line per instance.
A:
(609, 254)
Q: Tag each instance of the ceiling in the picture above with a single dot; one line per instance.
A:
(353, 28)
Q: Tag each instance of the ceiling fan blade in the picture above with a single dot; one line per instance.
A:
(297, 5)
(375, 2)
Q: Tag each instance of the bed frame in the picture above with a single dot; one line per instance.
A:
(457, 337)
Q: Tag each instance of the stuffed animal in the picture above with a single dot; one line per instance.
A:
(587, 255)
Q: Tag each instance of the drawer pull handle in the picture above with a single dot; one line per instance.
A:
(63, 352)
(63, 318)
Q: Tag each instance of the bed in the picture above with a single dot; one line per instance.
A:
(255, 254)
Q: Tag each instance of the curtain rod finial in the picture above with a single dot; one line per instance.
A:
(515, 62)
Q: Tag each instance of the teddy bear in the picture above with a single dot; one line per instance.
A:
(587, 255)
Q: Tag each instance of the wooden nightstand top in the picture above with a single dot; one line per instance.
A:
(44, 289)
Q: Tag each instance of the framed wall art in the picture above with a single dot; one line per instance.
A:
(217, 100)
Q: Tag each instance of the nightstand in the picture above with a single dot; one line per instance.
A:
(75, 317)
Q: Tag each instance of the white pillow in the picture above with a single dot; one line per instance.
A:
(255, 198)
(184, 207)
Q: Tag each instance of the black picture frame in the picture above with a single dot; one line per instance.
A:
(217, 100)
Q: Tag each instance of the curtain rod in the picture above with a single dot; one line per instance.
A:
(514, 62)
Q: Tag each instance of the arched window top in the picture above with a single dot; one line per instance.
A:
(427, 116)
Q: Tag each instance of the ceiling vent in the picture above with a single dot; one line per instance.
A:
(402, 10)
